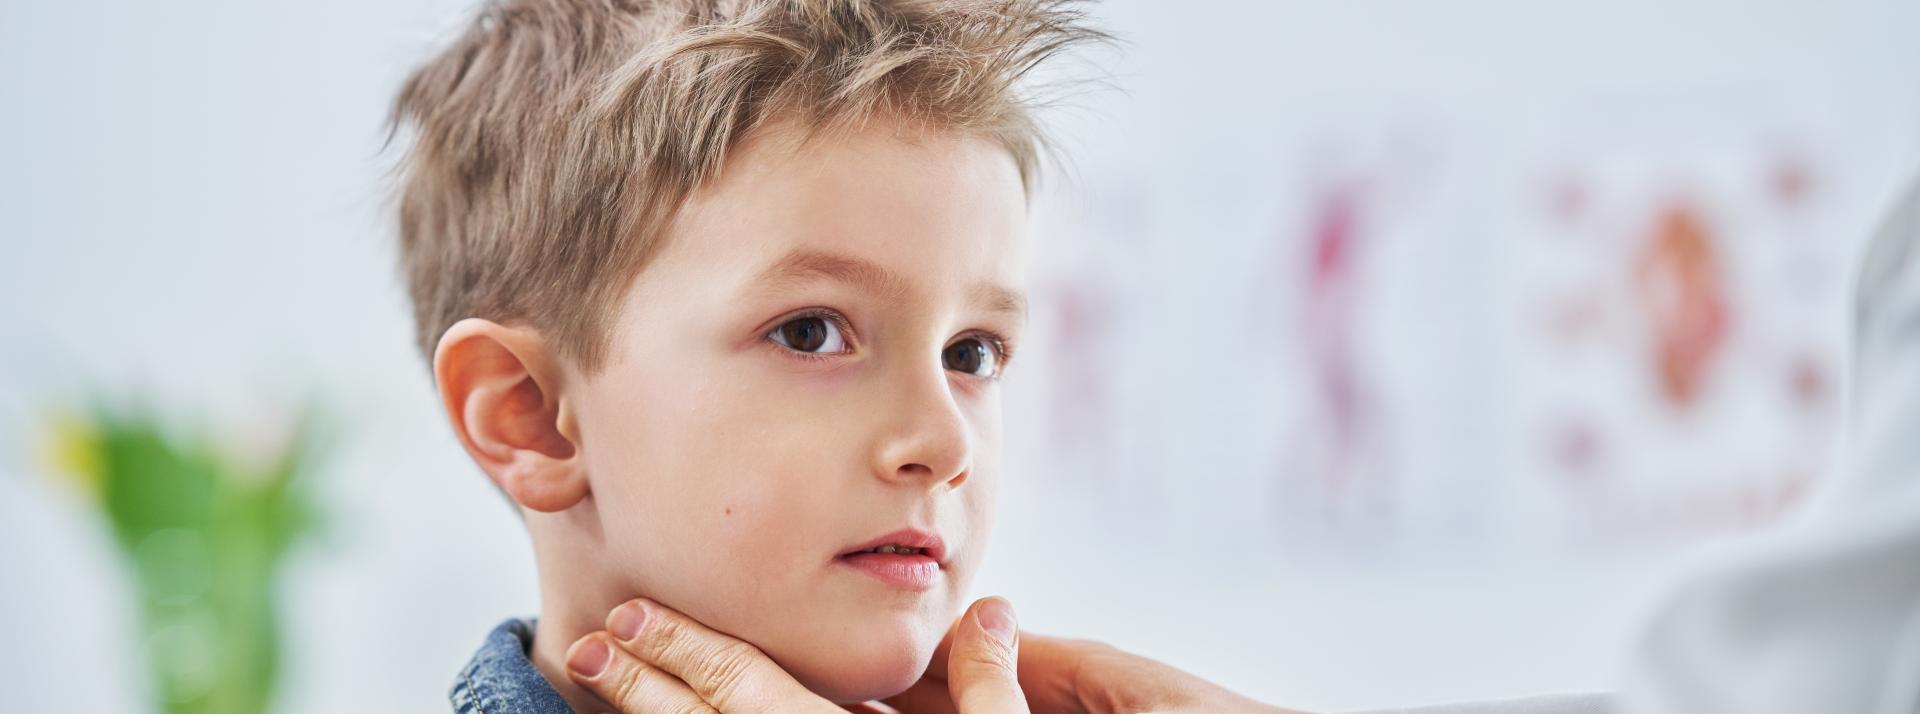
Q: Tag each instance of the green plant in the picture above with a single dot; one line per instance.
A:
(205, 534)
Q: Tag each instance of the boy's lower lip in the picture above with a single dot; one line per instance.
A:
(905, 571)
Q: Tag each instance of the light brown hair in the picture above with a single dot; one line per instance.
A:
(554, 141)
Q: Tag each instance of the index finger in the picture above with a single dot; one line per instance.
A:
(731, 675)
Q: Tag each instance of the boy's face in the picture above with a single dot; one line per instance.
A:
(808, 365)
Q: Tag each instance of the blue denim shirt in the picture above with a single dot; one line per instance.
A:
(501, 680)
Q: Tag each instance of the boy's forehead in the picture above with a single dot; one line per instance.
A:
(877, 211)
(996, 294)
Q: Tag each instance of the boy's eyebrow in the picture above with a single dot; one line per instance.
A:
(804, 265)
(1000, 299)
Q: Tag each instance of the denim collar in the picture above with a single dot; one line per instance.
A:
(501, 680)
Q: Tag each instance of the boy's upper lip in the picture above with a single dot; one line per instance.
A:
(910, 537)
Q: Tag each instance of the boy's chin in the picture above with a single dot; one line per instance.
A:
(866, 667)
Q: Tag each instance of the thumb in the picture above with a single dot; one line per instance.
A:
(981, 672)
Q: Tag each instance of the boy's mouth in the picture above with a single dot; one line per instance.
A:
(904, 542)
(906, 559)
(899, 549)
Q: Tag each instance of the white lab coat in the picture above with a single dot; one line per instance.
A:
(1823, 616)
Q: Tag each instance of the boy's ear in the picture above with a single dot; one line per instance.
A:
(502, 389)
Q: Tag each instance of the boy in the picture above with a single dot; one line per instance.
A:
(719, 294)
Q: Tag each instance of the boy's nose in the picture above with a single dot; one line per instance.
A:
(928, 440)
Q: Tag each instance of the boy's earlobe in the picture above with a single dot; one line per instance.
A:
(503, 392)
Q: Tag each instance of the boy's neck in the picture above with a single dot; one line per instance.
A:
(574, 596)
(557, 630)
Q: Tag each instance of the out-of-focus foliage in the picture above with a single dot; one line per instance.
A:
(204, 524)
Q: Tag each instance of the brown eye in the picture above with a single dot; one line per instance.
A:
(810, 334)
(972, 356)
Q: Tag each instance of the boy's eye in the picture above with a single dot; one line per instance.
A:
(973, 356)
(810, 334)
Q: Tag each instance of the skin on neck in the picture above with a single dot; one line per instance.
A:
(574, 597)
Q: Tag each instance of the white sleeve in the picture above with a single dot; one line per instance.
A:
(1590, 703)
(1823, 616)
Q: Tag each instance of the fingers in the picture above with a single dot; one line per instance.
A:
(1053, 671)
(614, 675)
(981, 661)
(1050, 669)
(728, 674)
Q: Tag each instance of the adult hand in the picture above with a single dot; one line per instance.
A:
(651, 659)
(1077, 676)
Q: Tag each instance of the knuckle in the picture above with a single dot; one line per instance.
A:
(661, 637)
(624, 687)
(990, 653)
(724, 671)
(1107, 655)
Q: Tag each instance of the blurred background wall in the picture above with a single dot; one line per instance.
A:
(1383, 352)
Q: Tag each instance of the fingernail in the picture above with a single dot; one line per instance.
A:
(996, 617)
(626, 620)
(590, 658)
